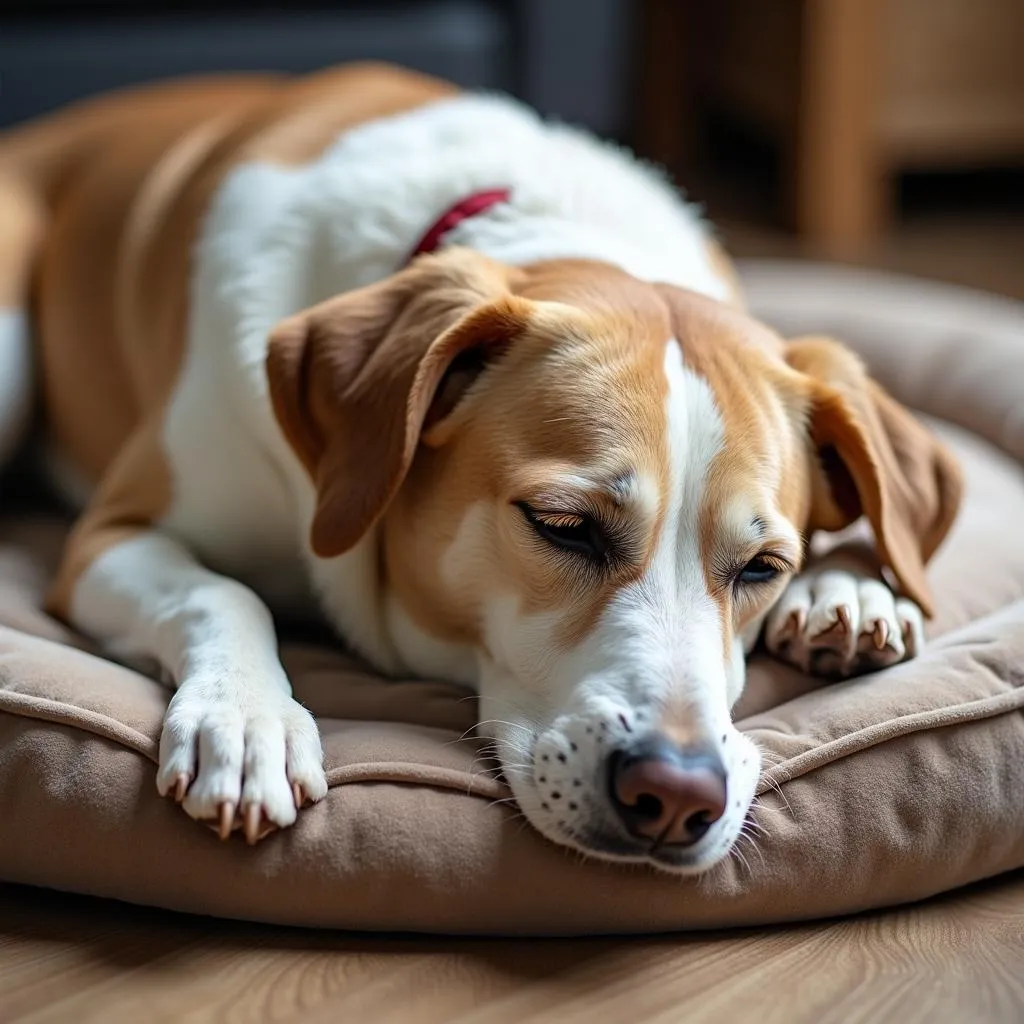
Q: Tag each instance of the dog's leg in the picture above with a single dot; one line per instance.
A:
(236, 747)
(838, 619)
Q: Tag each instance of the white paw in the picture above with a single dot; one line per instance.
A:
(249, 761)
(836, 623)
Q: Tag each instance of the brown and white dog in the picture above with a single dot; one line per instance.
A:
(550, 457)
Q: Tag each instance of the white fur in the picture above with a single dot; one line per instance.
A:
(433, 658)
(16, 379)
(232, 728)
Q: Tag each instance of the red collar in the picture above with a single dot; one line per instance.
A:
(478, 202)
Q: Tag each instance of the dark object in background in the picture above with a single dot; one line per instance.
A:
(848, 96)
(565, 57)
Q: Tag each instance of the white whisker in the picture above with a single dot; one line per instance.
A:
(743, 836)
(738, 854)
(502, 801)
(500, 721)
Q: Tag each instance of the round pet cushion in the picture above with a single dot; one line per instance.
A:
(879, 790)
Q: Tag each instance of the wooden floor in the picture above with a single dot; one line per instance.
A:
(954, 959)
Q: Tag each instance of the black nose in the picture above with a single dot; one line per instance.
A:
(665, 793)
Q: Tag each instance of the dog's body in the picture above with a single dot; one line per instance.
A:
(254, 392)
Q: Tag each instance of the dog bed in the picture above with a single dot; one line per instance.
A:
(879, 790)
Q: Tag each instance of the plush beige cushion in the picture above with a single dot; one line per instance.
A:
(881, 790)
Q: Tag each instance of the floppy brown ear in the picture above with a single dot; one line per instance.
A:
(354, 380)
(875, 459)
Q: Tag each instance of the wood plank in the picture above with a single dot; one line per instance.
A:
(839, 174)
(957, 958)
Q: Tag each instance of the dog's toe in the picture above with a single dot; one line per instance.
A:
(241, 766)
(226, 819)
(911, 625)
(837, 624)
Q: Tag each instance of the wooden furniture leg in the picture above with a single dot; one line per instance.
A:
(840, 202)
(663, 94)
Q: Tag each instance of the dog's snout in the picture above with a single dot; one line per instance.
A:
(667, 794)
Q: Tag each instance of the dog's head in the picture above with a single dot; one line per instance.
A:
(597, 486)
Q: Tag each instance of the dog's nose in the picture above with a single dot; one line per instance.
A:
(666, 793)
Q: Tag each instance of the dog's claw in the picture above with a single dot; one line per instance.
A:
(180, 787)
(300, 797)
(793, 626)
(845, 617)
(227, 819)
(251, 823)
(881, 634)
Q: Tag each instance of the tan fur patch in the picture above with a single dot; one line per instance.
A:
(127, 179)
(580, 393)
(133, 493)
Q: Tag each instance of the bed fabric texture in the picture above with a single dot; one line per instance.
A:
(879, 790)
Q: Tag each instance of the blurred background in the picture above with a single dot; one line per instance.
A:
(887, 133)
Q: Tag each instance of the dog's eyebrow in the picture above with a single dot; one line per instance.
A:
(622, 487)
(759, 526)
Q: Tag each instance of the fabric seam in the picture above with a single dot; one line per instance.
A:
(104, 726)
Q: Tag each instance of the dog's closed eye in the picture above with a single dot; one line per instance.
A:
(762, 568)
(748, 574)
(572, 532)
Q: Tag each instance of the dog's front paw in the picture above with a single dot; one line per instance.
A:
(835, 623)
(244, 761)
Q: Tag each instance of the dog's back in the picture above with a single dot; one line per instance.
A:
(100, 205)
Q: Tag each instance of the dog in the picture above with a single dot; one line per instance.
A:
(478, 390)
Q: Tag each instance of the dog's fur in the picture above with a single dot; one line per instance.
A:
(262, 406)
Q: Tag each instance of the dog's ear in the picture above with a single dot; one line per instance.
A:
(358, 381)
(875, 459)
